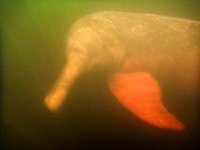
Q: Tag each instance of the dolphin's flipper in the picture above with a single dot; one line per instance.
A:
(140, 93)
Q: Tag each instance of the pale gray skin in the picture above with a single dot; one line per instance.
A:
(130, 42)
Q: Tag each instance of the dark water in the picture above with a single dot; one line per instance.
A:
(33, 42)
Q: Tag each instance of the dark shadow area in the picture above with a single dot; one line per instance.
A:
(94, 119)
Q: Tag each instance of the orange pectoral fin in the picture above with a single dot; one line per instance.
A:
(140, 93)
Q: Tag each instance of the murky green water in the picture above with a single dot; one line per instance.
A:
(33, 35)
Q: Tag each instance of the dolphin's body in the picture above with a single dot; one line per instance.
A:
(131, 43)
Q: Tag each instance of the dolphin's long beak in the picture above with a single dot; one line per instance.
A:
(54, 100)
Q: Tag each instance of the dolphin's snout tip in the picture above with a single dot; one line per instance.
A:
(54, 100)
(51, 104)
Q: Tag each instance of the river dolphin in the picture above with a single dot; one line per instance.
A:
(137, 48)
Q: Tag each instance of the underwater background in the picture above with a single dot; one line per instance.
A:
(33, 36)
